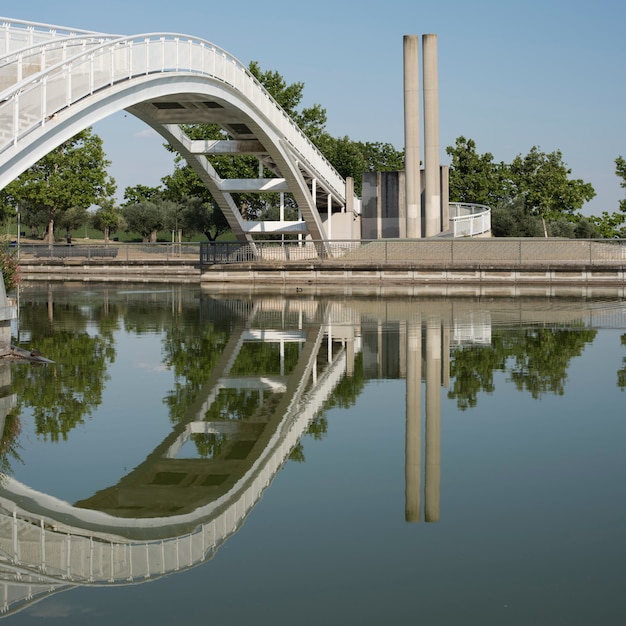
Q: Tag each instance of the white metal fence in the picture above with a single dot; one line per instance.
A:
(469, 220)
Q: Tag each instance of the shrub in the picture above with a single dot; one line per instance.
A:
(10, 268)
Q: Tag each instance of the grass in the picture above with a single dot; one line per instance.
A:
(91, 234)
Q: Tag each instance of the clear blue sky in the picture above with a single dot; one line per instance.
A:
(511, 75)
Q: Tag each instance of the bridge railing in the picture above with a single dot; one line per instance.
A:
(15, 34)
(36, 100)
(469, 220)
(17, 65)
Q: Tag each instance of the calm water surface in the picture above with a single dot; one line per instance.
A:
(194, 458)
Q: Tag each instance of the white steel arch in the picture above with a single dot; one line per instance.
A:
(55, 82)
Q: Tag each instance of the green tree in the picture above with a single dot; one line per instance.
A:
(145, 218)
(33, 217)
(608, 225)
(10, 268)
(620, 170)
(542, 179)
(72, 219)
(200, 216)
(173, 218)
(8, 204)
(509, 218)
(474, 177)
(614, 224)
(312, 120)
(107, 218)
(587, 229)
(141, 193)
(346, 156)
(72, 175)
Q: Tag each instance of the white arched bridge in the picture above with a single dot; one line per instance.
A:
(55, 82)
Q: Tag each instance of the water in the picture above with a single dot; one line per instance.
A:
(262, 460)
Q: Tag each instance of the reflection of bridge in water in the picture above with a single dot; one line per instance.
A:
(172, 512)
(175, 509)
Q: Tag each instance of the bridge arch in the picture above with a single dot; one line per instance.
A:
(49, 91)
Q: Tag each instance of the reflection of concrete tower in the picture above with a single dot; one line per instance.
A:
(433, 421)
(413, 443)
(434, 349)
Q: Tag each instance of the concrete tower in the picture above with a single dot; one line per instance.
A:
(432, 187)
(412, 137)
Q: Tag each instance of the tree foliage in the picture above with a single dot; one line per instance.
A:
(474, 177)
(10, 268)
(146, 218)
(542, 179)
(73, 175)
(107, 218)
(536, 185)
(614, 224)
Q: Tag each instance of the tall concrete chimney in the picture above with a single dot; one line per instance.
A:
(412, 137)
(432, 187)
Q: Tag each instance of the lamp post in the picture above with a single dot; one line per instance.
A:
(18, 231)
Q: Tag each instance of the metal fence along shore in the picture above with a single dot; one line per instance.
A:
(424, 252)
(421, 252)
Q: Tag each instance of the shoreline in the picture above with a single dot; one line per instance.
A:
(347, 278)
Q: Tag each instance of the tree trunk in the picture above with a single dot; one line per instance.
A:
(106, 235)
(545, 227)
(51, 232)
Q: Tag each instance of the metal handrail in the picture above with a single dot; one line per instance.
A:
(470, 219)
(127, 58)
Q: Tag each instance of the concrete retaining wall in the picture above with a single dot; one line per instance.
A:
(389, 275)
(361, 276)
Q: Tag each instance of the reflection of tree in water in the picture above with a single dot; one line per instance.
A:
(536, 360)
(472, 368)
(261, 358)
(9, 443)
(621, 374)
(191, 348)
(348, 389)
(343, 396)
(233, 404)
(210, 445)
(542, 357)
(62, 393)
